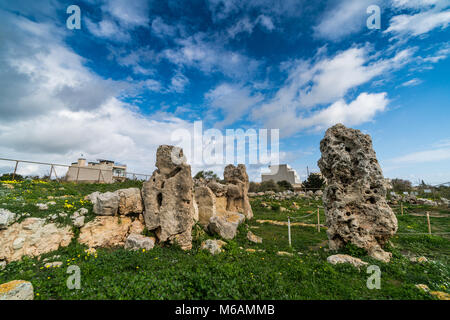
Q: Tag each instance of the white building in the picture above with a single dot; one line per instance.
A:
(105, 171)
(282, 172)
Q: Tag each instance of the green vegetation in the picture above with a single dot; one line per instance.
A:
(170, 273)
(207, 175)
(314, 182)
(270, 186)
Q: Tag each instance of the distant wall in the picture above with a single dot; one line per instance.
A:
(89, 175)
(283, 174)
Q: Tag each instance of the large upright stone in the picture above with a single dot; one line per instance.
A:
(206, 203)
(237, 190)
(355, 197)
(168, 198)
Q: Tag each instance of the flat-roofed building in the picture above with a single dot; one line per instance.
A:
(105, 171)
(282, 172)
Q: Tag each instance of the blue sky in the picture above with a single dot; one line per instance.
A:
(138, 70)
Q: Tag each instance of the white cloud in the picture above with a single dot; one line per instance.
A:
(224, 9)
(411, 83)
(162, 29)
(432, 155)
(344, 18)
(325, 80)
(55, 108)
(140, 60)
(128, 13)
(420, 23)
(233, 101)
(415, 4)
(108, 29)
(266, 22)
(178, 82)
(312, 83)
(363, 109)
(111, 131)
(210, 57)
(246, 25)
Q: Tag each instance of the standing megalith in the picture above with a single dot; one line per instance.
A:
(355, 197)
(238, 183)
(168, 198)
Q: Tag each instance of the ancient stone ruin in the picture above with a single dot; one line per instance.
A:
(169, 198)
(168, 204)
(355, 197)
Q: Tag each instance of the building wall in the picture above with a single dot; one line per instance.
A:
(84, 173)
(89, 175)
(282, 174)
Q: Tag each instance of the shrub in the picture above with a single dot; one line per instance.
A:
(9, 177)
(207, 175)
(314, 182)
(285, 185)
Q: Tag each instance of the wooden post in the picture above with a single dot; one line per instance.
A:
(289, 231)
(15, 170)
(318, 219)
(99, 173)
(429, 225)
(401, 207)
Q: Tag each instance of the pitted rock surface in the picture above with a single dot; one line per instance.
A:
(355, 197)
(169, 199)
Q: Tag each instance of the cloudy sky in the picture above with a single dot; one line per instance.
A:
(139, 70)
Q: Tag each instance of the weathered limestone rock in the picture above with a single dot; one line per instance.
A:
(237, 190)
(169, 199)
(6, 218)
(355, 197)
(138, 225)
(225, 225)
(284, 253)
(105, 204)
(253, 238)
(42, 206)
(138, 241)
(206, 203)
(32, 237)
(78, 221)
(213, 246)
(130, 201)
(16, 290)
(219, 190)
(105, 232)
(344, 258)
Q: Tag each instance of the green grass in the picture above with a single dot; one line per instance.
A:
(170, 273)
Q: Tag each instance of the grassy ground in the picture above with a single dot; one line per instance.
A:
(170, 273)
